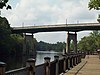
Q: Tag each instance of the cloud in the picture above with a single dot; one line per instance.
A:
(49, 12)
(51, 37)
(41, 12)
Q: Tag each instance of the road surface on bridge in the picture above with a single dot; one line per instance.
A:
(59, 27)
(89, 66)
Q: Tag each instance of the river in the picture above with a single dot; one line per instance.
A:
(41, 54)
(19, 62)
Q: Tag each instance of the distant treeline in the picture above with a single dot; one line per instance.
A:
(43, 46)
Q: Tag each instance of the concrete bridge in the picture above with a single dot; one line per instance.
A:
(59, 27)
(58, 66)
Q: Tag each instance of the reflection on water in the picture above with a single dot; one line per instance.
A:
(42, 54)
(13, 63)
(18, 62)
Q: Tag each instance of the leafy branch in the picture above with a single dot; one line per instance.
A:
(3, 3)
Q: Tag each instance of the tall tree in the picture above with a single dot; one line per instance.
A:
(5, 32)
(91, 42)
(94, 4)
(3, 3)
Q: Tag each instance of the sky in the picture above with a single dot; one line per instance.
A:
(48, 12)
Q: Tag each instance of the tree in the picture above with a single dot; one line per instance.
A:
(90, 43)
(96, 36)
(16, 44)
(94, 4)
(10, 44)
(5, 32)
(43, 46)
(72, 45)
(3, 3)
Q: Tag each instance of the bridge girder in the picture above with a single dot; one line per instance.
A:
(61, 27)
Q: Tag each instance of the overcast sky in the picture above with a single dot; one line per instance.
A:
(43, 12)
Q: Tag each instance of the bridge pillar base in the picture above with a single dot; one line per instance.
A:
(70, 37)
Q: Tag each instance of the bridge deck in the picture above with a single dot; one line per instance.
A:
(60, 27)
(89, 66)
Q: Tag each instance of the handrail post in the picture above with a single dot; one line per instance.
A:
(2, 68)
(75, 60)
(64, 62)
(68, 62)
(80, 55)
(78, 58)
(31, 66)
(47, 67)
(71, 61)
(56, 58)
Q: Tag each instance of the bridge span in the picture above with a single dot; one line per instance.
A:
(58, 66)
(59, 27)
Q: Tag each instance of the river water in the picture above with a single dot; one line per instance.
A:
(19, 62)
(41, 54)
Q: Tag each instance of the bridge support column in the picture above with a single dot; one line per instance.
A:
(29, 46)
(2, 68)
(75, 42)
(67, 44)
(70, 37)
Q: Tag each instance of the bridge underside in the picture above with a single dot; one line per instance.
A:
(51, 28)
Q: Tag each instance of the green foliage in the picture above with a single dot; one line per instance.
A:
(3, 3)
(43, 46)
(16, 44)
(72, 45)
(94, 4)
(10, 44)
(5, 32)
(91, 42)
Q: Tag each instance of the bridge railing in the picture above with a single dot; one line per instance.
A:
(56, 67)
